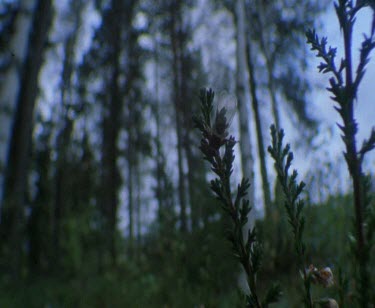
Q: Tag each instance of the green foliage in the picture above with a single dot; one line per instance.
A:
(294, 206)
(245, 245)
(165, 273)
(344, 85)
(292, 190)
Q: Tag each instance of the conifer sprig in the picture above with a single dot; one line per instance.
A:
(293, 203)
(245, 244)
(344, 87)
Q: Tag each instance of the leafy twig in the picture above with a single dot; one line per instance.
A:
(246, 247)
(344, 89)
(293, 204)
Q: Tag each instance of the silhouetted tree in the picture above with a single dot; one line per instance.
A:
(15, 185)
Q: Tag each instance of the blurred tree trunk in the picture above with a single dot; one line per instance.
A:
(15, 52)
(175, 29)
(63, 138)
(258, 125)
(131, 159)
(194, 163)
(271, 88)
(136, 143)
(138, 203)
(164, 189)
(111, 128)
(19, 151)
(269, 68)
(40, 218)
(158, 142)
(195, 213)
(247, 158)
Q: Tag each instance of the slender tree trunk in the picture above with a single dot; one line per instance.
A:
(247, 159)
(159, 154)
(130, 195)
(278, 225)
(270, 70)
(193, 193)
(278, 194)
(164, 194)
(39, 222)
(174, 28)
(261, 152)
(160, 161)
(64, 136)
(192, 163)
(19, 150)
(61, 185)
(111, 177)
(271, 90)
(138, 207)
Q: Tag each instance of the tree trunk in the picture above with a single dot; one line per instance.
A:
(195, 214)
(110, 131)
(271, 90)
(247, 159)
(261, 152)
(278, 194)
(19, 150)
(130, 159)
(277, 224)
(164, 191)
(10, 85)
(269, 68)
(186, 116)
(138, 204)
(39, 224)
(174, 29)
(64, 136)
(159, 154)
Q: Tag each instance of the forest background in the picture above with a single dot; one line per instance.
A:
(104, 194)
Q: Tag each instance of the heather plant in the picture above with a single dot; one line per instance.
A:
(294, 205)
(217, 148)
(344, 85)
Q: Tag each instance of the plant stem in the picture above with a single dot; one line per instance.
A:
(353, 161)
(354, 164)
(249, 272)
